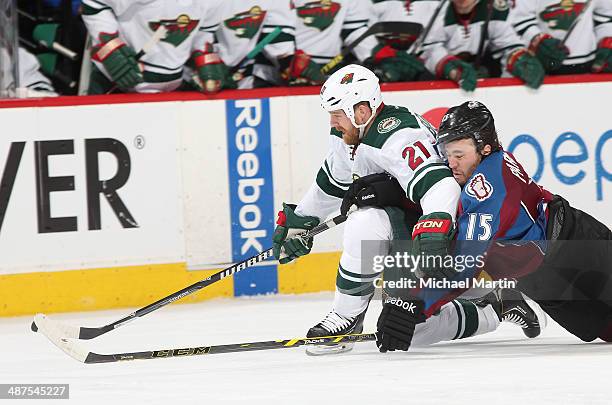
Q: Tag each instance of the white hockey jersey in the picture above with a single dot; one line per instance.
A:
(416, 11)
(457, 35)
(555, 17)
(398, 142)
(245, 23)
(190, 25)
(30, 77)
(324, 26)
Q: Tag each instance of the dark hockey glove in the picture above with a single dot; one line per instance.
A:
(526, 67)
(460, 72)
(373, 190)
(603, 56)
(393, 65)
(397, 321)
(119, 60)
(285, 246)
(431, 238)
(549, 51)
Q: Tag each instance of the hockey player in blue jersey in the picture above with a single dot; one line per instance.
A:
(561, 256)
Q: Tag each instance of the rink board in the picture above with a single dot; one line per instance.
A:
(117, 201)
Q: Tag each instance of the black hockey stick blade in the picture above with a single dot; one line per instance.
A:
(391, 27)
(76, 332)
(74, 350)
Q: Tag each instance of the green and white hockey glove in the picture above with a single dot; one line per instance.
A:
(526, 67)
(212, 72)
(300, 70)
(119, 60)
(549, 51)
(285, 246)
(393, 65)
(460, 72)
(603, 56)
(431, 239)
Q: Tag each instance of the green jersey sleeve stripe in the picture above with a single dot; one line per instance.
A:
(327, 187)
(88, 10)
(333, 179)
(423, 185)
(420, 175)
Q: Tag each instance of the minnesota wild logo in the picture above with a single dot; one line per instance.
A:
(318, 14)
(246, 24)
(178, 29)
(348, 78)
(561, 15)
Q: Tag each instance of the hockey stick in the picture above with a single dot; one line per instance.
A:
(399, 27)
(76, 332)
(416, 46)
(74, 350)
(575, 22)
(484, 33)
(158, 35)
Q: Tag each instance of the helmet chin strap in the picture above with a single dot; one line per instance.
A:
(361, 127)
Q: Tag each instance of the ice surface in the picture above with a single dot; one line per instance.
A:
(498, 368)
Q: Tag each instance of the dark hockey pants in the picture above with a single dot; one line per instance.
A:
(574, 283)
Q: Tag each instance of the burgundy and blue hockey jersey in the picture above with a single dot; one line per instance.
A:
(498, 202)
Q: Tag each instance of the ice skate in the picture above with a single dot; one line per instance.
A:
(512, 306)
(334, 324)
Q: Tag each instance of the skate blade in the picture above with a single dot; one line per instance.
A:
(327, 350)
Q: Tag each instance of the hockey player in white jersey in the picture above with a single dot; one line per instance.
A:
(454, 51)
(30, 76)
(544, 25)
(120, 28)
(245, 23)
(418, 12)
(367, 139)
(325, 26)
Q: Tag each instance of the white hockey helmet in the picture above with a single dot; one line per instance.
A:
(348, 86)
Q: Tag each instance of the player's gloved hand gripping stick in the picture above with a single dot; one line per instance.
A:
(76, 332)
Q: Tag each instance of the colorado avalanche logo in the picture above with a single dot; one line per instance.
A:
(348, 78)
(479, 187)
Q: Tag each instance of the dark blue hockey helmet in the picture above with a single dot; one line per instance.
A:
(471, 119)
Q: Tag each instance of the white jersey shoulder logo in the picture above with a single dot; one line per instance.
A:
(479, 187)
(501, 5)
(388, 124)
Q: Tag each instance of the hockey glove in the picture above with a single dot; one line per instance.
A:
(460, 72)
(397, 321)
(431, 239)
(603, 56)
(212, 72)
(526, 67)
(549, 51)
(284, 246)
(119, 60)
(373, 190)
(392, 65)
(300, 70)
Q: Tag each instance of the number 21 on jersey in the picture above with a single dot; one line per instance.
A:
(415, 154)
